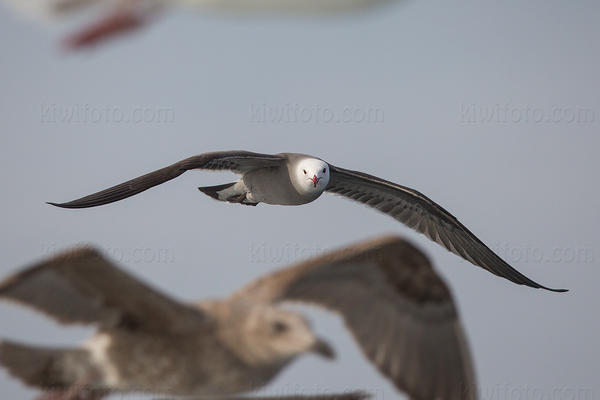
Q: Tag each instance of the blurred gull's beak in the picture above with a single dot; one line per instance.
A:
(322, 348)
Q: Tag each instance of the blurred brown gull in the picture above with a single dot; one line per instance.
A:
(400, 312)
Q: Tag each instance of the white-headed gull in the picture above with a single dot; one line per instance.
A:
(400, 312)
(295, 179)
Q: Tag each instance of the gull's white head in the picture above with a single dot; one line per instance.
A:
(310, 176)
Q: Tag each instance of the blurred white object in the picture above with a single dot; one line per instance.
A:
(53, 9)
(118, 16)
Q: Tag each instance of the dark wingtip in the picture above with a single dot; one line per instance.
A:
(555, 290)
(61, 205)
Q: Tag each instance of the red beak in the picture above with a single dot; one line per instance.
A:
(315, 180)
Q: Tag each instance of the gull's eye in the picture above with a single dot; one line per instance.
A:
(324, 170)
(304, 171)
(279, 327)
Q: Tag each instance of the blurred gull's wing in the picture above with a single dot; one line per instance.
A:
(81, 286)
(236, 161)
(420, 213)
(396, 306)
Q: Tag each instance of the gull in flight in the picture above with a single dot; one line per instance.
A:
(121, 16)
(296, 179)
(399, 311)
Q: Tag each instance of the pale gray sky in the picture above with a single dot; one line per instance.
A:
(490, 108)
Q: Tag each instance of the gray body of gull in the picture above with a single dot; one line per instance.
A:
(296, 179)
(400, 312)
(117, 17)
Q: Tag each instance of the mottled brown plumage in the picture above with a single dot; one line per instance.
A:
(397, 308)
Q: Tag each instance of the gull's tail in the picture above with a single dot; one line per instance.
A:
(214, 191)
(43, 367)
(234, 192)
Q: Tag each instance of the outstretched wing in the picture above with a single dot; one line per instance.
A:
(418, 212)
(396, 306)
(236, 161)
(81, 286)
